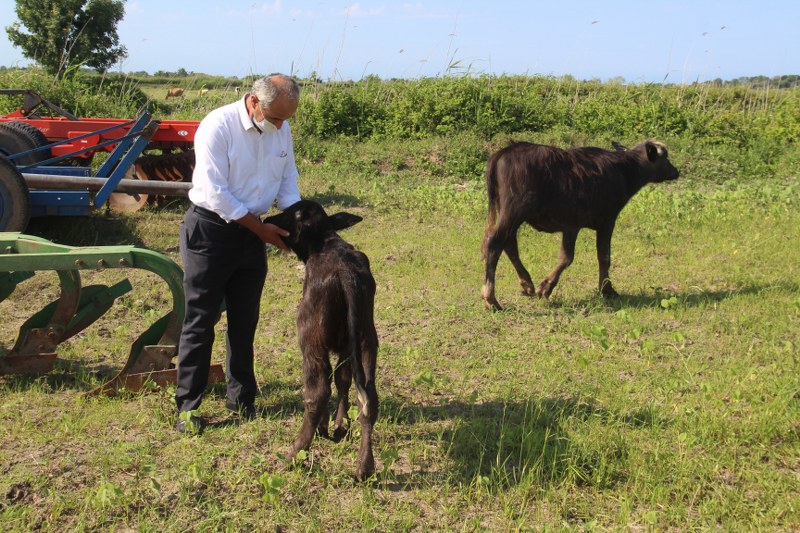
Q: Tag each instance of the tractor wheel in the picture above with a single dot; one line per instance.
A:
(14, 201)
(33, 133)
(14, 140)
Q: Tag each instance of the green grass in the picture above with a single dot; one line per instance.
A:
(675, 407)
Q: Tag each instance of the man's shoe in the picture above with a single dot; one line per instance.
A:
(243, 411)
(189, 425)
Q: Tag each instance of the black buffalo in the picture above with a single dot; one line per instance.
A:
(557, 190)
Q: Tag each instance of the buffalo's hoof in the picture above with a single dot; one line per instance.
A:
(544, 290)
(607, 289)
(492, 305)
(489, 300)
(527, 288)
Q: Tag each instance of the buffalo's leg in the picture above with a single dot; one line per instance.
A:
(604, 261)
(342, 378)
(494, 243)
(512, 251)
(316, 393)
(565, 257)
(493, 249)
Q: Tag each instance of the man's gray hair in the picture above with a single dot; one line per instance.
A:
(270, 87)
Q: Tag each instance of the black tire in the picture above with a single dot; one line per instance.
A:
(14, 141)
(14, 201)
(33, 133)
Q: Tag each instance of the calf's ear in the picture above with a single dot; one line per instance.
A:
(618, 147)
(344, 220)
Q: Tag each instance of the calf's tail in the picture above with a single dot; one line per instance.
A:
(354, 334)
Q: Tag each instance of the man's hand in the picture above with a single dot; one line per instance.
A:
(269, 233)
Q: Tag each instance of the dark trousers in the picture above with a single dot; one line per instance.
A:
(221, 262)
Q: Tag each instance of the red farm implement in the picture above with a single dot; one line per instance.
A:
(60, 146)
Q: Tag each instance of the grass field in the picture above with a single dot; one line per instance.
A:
(675, 407)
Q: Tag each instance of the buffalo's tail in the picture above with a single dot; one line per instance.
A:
(493, 200)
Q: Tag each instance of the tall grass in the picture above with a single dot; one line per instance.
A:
(740, 116)
(726, 131)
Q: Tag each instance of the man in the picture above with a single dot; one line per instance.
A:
(244, 162)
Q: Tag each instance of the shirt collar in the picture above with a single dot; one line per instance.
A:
(244, 116)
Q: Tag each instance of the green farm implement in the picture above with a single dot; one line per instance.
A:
(152, 354)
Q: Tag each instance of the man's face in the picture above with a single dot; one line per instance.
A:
(280, 110)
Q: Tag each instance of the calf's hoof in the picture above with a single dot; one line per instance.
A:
(365, 470)
(339, 433)
(291, 456)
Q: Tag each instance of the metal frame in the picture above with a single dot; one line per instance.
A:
(151, 355)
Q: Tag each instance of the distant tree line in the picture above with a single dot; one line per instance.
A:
(788, 81)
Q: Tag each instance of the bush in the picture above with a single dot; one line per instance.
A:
(750, 130)
(82, 95)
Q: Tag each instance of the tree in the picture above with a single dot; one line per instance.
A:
(64, 33)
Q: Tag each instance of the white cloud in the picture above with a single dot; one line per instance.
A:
(133, 8)
(276, 8)
(418, 10)
(355, 10)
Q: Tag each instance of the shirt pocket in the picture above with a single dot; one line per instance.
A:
(274, 166)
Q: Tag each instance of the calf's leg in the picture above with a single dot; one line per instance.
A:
(316, 392)
(565, 257)
(604, 261)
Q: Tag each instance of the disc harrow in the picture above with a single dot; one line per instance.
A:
(152, 354)
(169, 167)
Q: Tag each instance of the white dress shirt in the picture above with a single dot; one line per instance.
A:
(239, 170)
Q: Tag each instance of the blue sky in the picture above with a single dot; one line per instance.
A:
(678, 41)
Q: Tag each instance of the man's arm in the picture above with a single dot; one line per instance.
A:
(269, 233)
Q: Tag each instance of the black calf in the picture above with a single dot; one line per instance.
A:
(335, 315)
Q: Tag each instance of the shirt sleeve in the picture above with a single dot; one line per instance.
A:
(212, 170)
(289, 192)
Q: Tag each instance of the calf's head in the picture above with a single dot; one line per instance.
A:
(309, 226)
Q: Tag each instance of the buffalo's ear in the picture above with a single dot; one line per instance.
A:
(652, 151)
(344, 220)
(618, 147)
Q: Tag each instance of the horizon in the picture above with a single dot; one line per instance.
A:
(617, 79)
